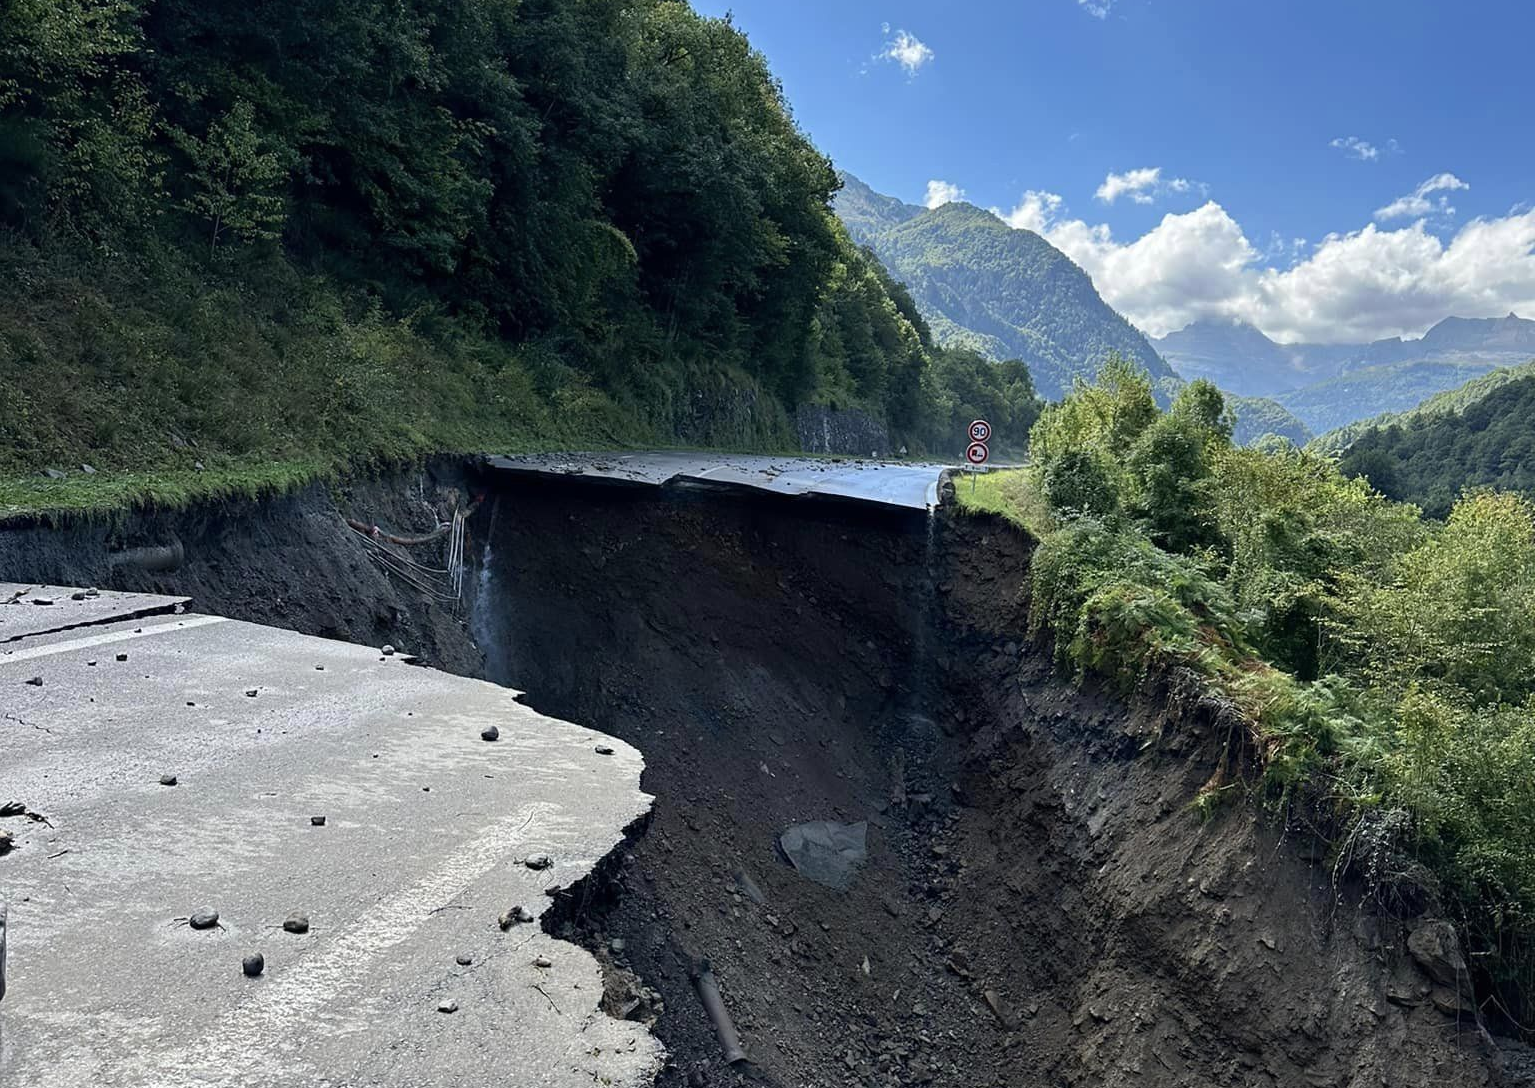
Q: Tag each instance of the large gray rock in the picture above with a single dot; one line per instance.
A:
(1437, 949)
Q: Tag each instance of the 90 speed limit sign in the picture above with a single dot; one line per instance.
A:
(980, 431)
(977, 453)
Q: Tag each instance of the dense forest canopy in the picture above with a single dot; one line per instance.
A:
(618, 187)
(1432, 458)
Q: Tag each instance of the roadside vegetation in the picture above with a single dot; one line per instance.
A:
(278, 238)
(1380, 661)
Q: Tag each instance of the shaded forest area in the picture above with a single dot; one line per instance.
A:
(335, 231)
(1431, 459)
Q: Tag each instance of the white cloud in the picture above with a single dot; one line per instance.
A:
(1362, 285)
(1098, 9)
(1363, 150)
(1142, 186)
(1355, 148)
(1421, 201)
(906, 50)
(940, 193)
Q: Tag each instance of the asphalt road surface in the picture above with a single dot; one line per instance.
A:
(425, 841)
(886, 483)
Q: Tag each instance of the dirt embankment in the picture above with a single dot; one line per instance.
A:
(1041, 906)
(288, 562)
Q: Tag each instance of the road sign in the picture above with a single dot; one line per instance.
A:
(980, 431)
(977, 454)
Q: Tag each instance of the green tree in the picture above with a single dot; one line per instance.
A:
(237, 181)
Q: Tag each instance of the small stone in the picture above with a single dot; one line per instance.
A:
(253, 965)
(88, 470)
(317, 821)
(603, 750)
(199, 466)
(122, 657)
(91, 664)
(251, 693)
(447, 1006)
(617, 945)
(518, 915)
(167, 780)
(387, 651)
(7, 843)
(53, 474)
(204, 919)
(296, 923)
(93, 592)
(537, 862)
(542, 961)
(36, 682)
(464, 959)
(490, 733)
(77, 596)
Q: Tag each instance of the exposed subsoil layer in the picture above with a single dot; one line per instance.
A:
(1041, 905)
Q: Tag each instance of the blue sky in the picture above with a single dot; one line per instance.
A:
(1327, 170)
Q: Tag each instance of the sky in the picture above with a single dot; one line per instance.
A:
(1328, 170)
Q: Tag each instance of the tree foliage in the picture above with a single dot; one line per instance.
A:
(620, 182)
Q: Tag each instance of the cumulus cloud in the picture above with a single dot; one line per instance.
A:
(906, 50)
(940, 193)
(1422, 201)
(1357, 286)
(1142, 186)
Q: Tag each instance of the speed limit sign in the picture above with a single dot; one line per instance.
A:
(980, 431)
(978, 453)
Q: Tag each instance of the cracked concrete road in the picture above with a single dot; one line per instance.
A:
(426, 830)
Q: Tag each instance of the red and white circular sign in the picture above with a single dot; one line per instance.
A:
(980, 431)
(977, 454)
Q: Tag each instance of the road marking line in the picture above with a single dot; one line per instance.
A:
(109, 637)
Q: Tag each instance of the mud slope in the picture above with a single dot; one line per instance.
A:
(1040, 907)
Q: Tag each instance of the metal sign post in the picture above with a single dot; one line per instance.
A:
(977, 453)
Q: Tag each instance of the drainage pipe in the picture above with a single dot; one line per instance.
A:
(709, 993)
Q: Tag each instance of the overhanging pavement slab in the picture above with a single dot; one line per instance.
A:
(887, 483)
(427, 829)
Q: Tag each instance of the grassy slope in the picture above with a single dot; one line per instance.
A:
(146, 368)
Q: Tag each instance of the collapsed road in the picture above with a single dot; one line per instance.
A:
(1028, 900)
(193, 791)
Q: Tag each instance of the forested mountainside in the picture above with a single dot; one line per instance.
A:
(1451, 400)
(1432, 456)
(1372, 390)
(297, 231)
(1006, 293)
(1239, 358)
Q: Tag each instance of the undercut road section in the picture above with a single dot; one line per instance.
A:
(158, 766)
(902, 484)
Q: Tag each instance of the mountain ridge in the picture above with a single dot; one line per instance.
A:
(1004, 292)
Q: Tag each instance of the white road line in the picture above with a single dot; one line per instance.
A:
(184, 624)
